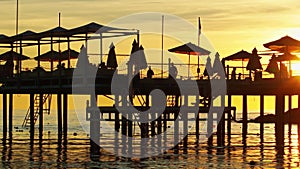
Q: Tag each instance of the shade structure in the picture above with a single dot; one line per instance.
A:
(28, 35)
(189, 49)
(48, 56)
(239, 56)
(218, 67)
(56, 56)
(54, 32)
(254, 62)
(88, 28)
(16, 56)
(287, 57)
(272, 66)
(69, 54)
(285, 43)
(208, 67)
(112, 58)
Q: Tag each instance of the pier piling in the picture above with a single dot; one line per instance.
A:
(41, 117)
(245, 119)
(4, 100)
(10, 116)
(31, 100)
(279, 125)
(65, 116)
(59, 116)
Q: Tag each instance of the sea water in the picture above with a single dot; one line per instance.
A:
(18, 153)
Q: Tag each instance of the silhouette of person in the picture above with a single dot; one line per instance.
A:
(150, 73)
(173, 70)
(233, 74)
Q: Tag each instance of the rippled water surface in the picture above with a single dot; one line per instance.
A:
(75, 153)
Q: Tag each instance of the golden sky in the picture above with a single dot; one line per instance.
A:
(230, 25)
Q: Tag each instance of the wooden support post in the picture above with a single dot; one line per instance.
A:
(289, 117)
(94, 129)
(129, 123)
(117, 127)
(279, 125)
(210, 127)
(221, 125)
(245, 119)
(4, 100)
(262, 102)
(176, 127)
(65, 115)
(124, 126)
(10, 116)
(59, 116)
(31, 116)
(229, 120)
(41, 117)
(185, 125)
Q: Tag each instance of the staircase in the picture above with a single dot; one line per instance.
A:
(46, 108)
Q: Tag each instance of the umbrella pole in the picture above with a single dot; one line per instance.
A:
(189, 66)
(101, 50)
(243, 68)
(198, 72)
(290, 68)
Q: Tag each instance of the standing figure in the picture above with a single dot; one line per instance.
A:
(173, 70)
(233, 74)
(150, 73)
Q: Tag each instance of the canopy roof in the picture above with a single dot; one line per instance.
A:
(190, 49)
(56, 56)
(241, 55)
(16, 56)
(60, 32)
(287, 57)
(285, 43)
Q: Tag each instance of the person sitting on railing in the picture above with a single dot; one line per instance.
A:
(150, 73)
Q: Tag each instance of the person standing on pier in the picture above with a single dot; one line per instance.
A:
(173, 70)
(233, 74)
(150, 73)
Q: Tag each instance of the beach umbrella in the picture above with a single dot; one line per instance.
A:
(208, 67)
(135, 48)
(48, 56)
(69, 54)
(239, 56)
(112, 59)
(141, 60)
(272, 66)
(137, 57)
(218, 66)
(16, 56)
(285, 43)
(254, 62)
(189, 49)
(286, 57)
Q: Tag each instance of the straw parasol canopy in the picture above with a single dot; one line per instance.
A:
(285, 43)
(254, 62)
(239, 56)
(218, 67)
(16, 56)
(112, 59)
(272, 66)
(287, 57)
(56, 56)
(189, 49)
(208, 67)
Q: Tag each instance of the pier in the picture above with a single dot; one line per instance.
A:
(199, 107)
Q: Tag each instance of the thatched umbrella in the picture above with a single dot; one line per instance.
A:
(112, 59)
(190, 49)
(272, 66)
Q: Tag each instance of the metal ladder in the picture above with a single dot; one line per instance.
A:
(46, 108)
